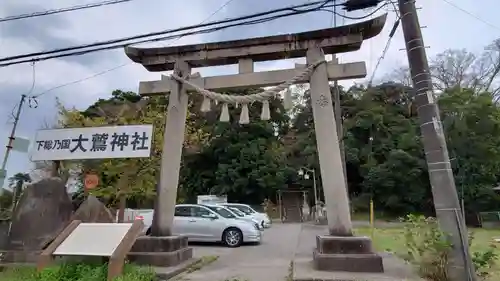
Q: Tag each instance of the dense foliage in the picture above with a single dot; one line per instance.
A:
(383, 151)
(427, 248)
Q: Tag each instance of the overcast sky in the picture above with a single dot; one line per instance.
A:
(447, 27)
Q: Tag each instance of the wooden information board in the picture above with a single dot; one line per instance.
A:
(113, 240)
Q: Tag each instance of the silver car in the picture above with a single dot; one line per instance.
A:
(232, 213)
(201, 224)
(262, 218)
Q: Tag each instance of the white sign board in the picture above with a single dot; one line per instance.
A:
(211, 199)
(20, 144)
(93, 239)
(93, 143)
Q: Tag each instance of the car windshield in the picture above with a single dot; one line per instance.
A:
(222, 211)
(237, 212)
(244, 209)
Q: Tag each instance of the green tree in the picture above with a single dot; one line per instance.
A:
(244, 162)
(472, 124)
(384, 151)
(5, 203)
(16, 182)
(131, 179)
(129, 182)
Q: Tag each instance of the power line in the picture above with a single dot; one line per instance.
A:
(388, 42)
(159, 33)
(386, 48)
(125, 64)
(80, 80)
(471, 14)
(63, 10)
(210, 16)
(289, 11)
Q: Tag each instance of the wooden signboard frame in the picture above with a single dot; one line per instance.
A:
(116, 259)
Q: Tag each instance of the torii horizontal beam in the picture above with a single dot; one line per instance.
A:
(253, 79)
(345, 38)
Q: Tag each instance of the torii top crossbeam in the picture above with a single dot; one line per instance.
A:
(341, 39)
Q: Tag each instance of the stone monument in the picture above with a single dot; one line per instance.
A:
(42, 212)
(93, 210)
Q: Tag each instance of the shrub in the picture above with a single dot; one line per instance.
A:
(428, 248)
(483, 261)
(76, 272)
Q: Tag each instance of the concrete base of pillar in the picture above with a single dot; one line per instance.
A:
(160, 251)
(352, 254)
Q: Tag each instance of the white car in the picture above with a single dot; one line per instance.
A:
(201, 224)
(234, 213)
(262, 218)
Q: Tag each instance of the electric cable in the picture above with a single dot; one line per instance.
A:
(124, 64)
(471, 14)
(396, 10)
(384, 52)
(33, 79)
(63, 10)
(333, 20)
(320, 3)
(169, 31)
(147, 40)
(32, 102)
(81, 80)
(388, 42)
(210, 16)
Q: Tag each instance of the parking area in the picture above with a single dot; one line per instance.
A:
(269, 260)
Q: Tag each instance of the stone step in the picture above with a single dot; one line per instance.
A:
(303, 270)
(369, 262)
(327, 244)
(159, 244)
(161, 258)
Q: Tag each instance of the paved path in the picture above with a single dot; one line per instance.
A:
(271, 260)
(268, 261)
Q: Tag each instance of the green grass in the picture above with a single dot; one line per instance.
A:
(362, 216)
(89, 272)
(392, 240)
(76, 272)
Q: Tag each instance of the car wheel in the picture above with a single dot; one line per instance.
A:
(232, 237)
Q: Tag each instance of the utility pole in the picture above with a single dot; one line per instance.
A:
(11, 140)
(451, 221)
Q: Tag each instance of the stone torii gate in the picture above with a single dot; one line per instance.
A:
(339, 250)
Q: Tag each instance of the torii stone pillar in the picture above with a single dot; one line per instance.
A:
(173, 138)
(327, 143)
(162, 248)
(340, 250)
